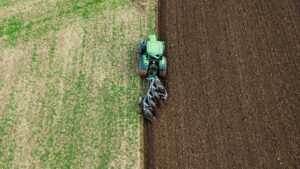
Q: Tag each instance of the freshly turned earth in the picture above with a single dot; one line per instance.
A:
(233, 81)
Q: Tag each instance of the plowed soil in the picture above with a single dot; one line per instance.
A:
(233, 83)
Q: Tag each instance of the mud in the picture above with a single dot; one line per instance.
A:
(234, 86)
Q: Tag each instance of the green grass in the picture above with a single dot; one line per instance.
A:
(69, 86)
(4, 3)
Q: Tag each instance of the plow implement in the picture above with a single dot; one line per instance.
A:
(155, 93)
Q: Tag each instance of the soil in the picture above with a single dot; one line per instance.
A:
(234, 86)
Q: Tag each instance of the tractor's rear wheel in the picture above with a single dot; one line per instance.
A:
(142, 72)
(162, 73)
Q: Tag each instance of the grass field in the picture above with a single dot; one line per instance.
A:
(68, 82)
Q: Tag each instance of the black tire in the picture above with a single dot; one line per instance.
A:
(162, 73)
(142, 51)
(142, 72)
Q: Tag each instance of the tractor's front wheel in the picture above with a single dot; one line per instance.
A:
(143, 47)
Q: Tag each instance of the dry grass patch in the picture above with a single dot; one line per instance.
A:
(29, 9)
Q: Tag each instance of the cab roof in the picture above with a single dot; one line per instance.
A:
(155, 47)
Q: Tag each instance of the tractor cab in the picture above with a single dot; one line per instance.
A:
(155, 48)
(152, 60)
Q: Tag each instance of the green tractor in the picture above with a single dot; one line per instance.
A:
(153, 64)
(152, 60)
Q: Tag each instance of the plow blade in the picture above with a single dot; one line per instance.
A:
(156, 92)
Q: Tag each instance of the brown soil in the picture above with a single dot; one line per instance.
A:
(233, 83)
